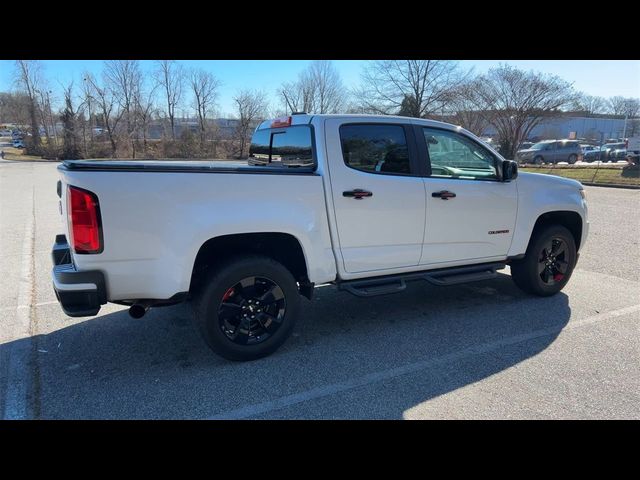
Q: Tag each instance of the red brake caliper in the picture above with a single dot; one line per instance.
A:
(558, 277)
(227, 294)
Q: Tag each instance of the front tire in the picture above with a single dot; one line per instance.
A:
(538, 160)
(572, 159)
(548, 263)
(247, 308)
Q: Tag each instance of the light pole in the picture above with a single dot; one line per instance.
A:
(53, 126)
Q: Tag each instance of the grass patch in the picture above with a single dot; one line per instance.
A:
(11, 153)
(603, 176)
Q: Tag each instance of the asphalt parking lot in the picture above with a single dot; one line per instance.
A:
(480, 351)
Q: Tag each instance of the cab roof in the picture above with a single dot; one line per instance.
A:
(306, 118)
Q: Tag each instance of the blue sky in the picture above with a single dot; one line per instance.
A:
(596, 77)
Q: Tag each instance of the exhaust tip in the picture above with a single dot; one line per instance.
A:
(137, 310)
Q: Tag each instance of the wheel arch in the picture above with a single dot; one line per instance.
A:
(567, 218)
(285, 248)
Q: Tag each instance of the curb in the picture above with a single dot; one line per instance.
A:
(6, 160)
(611, 185)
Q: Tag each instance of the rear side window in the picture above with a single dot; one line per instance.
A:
(375, 148)
(290, 147)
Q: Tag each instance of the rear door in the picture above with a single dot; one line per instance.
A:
(377, 192)
(552, 153)
(470, 213)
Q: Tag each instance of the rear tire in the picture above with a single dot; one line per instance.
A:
(572, 159)
(548, 263)
(225, 307)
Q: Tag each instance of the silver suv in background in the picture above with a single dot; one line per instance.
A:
(551, 151)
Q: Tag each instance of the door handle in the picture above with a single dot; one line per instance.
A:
(444, 194)
(358, 193)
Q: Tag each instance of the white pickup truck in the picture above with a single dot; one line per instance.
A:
(364, 202)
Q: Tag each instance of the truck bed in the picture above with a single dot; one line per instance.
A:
(194, 166)
(156, 215)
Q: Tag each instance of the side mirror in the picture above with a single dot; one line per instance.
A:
(509, 170)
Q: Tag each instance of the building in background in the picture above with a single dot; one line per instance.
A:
(595, 129)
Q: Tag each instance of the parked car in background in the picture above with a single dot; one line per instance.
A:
(607, 151)
(18, 144)
(588, 148)
(551, 151)
(618, 154)
(633, 150)
(526, 145)
(592, 155)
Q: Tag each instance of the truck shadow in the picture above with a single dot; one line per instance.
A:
(158, 367)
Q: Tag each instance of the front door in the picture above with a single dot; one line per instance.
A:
(470, 214)
(378, 195)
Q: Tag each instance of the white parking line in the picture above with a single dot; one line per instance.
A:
(39, 304)
(15, 407)
(326, 390)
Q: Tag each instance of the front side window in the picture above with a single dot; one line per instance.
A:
(453, 155)
(375, 148)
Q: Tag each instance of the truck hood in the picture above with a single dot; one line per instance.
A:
(542, 180)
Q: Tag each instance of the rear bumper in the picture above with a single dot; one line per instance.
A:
(80, 293)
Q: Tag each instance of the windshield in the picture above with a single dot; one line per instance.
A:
(539, 146)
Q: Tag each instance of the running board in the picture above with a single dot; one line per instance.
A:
(397, 283)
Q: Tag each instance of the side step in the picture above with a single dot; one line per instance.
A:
(370, 287)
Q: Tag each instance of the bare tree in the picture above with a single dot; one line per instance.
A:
(87, 106)
(417, 87)
(42, 108)
(515, 101)
(329, 90)
(106, 105)
(616, 105)
(124, 80)
(69, 116)
(624, 106)
(319, 89)
(464, 106)
(14, 107)
(170, 77)
(250, 108)
(145, 108)
(204, 86)
(297, 96)
(28, 78)
(589, 104)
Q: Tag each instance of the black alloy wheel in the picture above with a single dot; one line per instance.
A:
(246, 307)
(252, 310)
(553, 263)
(548, 263)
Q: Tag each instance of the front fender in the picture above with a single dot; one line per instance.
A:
(539, 194)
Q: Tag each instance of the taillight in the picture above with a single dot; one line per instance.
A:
(85, 225)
